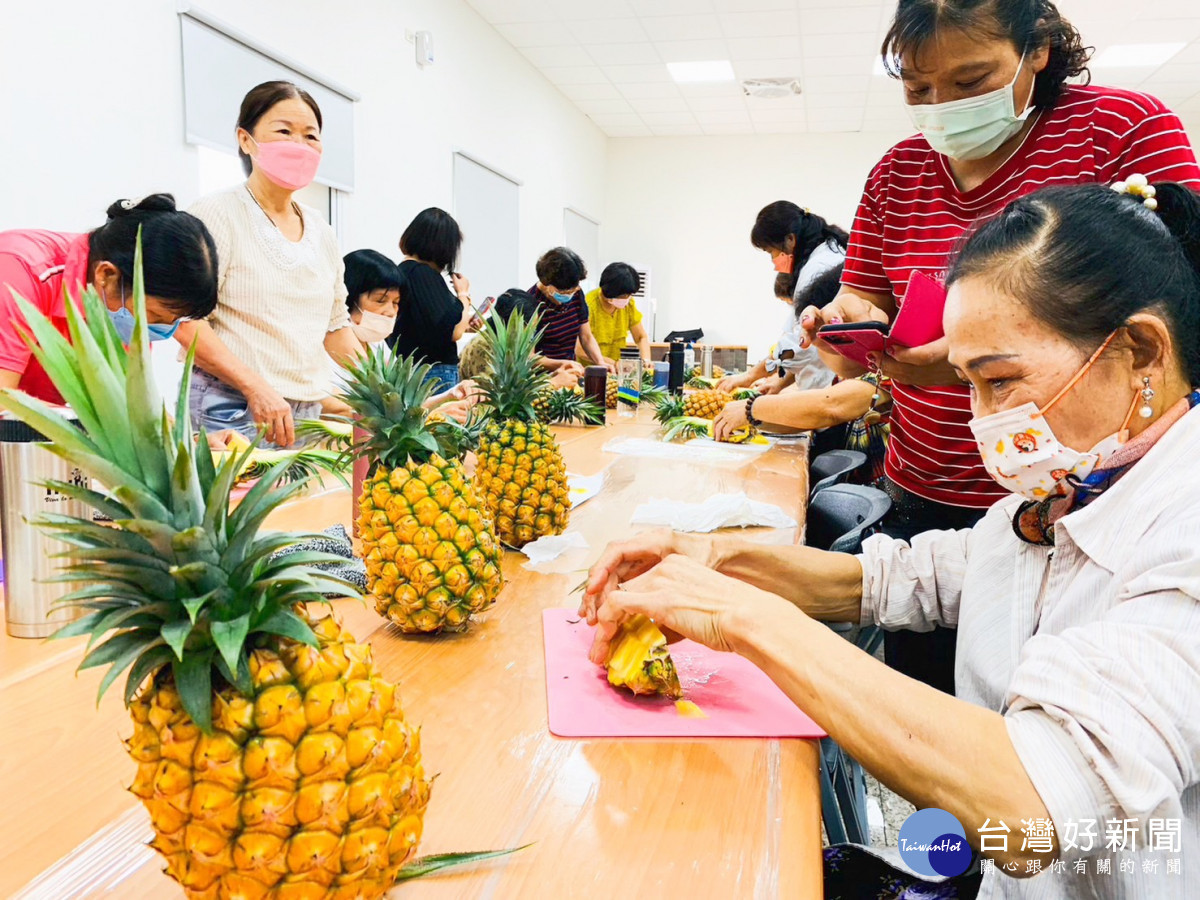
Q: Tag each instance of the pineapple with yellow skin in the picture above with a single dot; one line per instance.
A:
(639, 661)
(521, 476)
(274, 759)
(431, 554)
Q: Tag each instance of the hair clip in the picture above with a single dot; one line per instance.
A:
(1138, 186)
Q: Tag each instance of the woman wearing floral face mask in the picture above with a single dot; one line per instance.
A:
(986, 83)
(262, 357)
(1075, 318)
(179, 263)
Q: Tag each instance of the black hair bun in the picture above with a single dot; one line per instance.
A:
(151, 203)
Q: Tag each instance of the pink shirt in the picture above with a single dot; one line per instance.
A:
(37, 265)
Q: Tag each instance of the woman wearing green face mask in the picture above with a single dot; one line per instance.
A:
(985, 82)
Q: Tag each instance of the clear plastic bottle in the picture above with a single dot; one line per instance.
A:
(629, 382)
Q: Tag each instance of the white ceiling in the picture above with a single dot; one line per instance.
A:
(609, 57)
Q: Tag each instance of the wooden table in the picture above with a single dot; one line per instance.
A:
(669, 818)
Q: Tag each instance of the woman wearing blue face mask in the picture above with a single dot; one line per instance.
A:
(179, 261)
(986, 82)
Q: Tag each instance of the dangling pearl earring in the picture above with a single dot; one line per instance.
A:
(1147, 395)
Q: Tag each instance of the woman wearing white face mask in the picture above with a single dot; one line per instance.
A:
(262, 357)
(1076, 600)
(373, 285)
(986, 83)
(613, 315)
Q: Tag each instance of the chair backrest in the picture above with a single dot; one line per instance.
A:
(833, 467)
(840, 516)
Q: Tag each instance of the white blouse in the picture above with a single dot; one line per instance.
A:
(1091, 651)
(276, 299)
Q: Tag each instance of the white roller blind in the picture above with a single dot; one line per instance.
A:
(486, 208)
(582, 235)
(220, 65)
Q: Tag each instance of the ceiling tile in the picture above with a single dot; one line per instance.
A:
(649, 91)
(650, 74)
(1122, 76)
(682, 28)
(781, 128)
(670, 7)
(707, 104)
(1174, 73)
(721, 89)
(1189, 54)
(501, 12)
(656, 120)
(618, 120)
(624, 54)
(1182, 29)
(644, 105)
(1173, 94)
(724, 117)
(536, 34)
(630, 131)
(590, 91)
(556, 57)
(575, 75)
(834, 19)
(605, 107)
(838, 4)
(850, 64)
(735, 6)
(770, 68)
(863, 45)
(835, 101)
(771, 116)
(607, 31)
(676, 130)
(834, 127)
(764, 48)
(582, 10)
(837, 84)
(727, 128)
(777, 23)
(692, 51)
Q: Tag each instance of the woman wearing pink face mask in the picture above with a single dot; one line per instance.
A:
(260, 357)
(613, 314)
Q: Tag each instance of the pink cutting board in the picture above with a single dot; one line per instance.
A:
(739, 700)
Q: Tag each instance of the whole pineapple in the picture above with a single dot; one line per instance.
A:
(431, 555)
(705, 404)
(520, 475)
(273, 758)
(610, 393)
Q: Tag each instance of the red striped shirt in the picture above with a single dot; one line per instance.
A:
(912, 215)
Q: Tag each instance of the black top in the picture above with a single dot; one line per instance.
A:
(429, 313)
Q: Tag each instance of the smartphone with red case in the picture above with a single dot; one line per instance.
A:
(918, 322)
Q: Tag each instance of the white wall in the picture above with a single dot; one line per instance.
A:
(685, 207)
(94, 112)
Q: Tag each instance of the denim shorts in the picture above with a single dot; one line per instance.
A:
(443, 375)
(215, 406)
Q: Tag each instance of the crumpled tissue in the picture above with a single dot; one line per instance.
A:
(718, 511)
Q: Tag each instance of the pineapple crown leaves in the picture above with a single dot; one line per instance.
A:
(179, 581)
(514, 376)
(387, 393)
(669, 407)
(568, 405)
(686, 427)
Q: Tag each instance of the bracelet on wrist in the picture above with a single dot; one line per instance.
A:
(750, 413)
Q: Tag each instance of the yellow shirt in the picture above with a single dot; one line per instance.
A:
(610, 329)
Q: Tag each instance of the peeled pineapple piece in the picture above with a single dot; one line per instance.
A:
(640, 662)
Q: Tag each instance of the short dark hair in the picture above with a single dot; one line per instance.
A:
(785, 285)
(367, 271)
(1028, 24)
(620, 280)
(515, 300)
(1084, 259)
(821, 290)
(433, 237)
(179, 256)
(260, 99)
(777, 220)
(562, 268)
